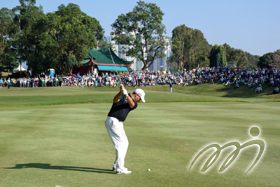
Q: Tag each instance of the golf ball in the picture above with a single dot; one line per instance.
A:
(149, 170)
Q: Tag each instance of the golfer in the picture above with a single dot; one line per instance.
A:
(123, 103)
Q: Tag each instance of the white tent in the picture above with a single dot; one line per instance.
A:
(19, 68)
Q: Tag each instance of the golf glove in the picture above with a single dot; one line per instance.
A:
(125, 93)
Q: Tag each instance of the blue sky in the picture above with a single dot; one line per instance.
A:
(250, 25)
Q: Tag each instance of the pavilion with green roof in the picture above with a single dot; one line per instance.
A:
(102, 60)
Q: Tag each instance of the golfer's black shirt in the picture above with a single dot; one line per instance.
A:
(121, 109)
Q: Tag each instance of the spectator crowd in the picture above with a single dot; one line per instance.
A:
(224, 75)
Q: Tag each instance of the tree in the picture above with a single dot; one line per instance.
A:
(27, 43)
(253, 60)
(229, 52)
(141, 32)
(172, 63)
(74, 33)
(241, 58)
(266, 60)
(189, 47)
(276, 59)
(199, 50)
(217, 56)
(7, 32)
(180, 36)
(57, 40)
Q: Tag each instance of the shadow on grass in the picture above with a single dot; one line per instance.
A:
(70, 168)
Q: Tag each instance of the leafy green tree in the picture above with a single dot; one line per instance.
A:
(276, 59)
(199, 50)
(253, 60)
(266, 60)
(9, 60)
(7, 32)
(241, 58)
(74, 33)
(141, 32)
(189, 47)
(172, 63)
(58, 40)
(217, 56)
(27, 44)
(229, 52)
(180, 37)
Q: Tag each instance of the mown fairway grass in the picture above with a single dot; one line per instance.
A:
(57, 136)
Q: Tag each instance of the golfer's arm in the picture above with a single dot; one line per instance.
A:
(130, 102)
(117, 97)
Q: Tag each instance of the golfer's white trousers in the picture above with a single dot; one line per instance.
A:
(119, 139)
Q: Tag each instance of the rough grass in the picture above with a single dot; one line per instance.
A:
(57, 137)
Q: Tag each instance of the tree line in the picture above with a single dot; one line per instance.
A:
(191, 50)
(56, 40)
(61, 40)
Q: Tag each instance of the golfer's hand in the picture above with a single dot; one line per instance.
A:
(121, 88)
(125, 93)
